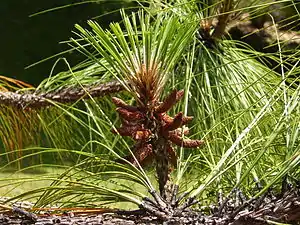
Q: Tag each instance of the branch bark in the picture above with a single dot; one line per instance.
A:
(280, 209)
(267, 33)
(66, 95)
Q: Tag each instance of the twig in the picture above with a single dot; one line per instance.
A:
(154, 211)
(174, 195)
(181, 197)
(137, 212)
(260, 201)
(28, 215)
(150, 201)
(240, 208)
(66, 95)
(223, 19)
(267, 33)
(189, 202)
(160, 203)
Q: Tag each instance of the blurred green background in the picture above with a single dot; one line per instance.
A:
(25, 40)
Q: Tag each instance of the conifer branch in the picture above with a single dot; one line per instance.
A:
(36, 100)
(223, 18)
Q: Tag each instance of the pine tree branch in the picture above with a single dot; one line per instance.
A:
(64, 95)
(274, 208)
(266, 34)
(223, 18)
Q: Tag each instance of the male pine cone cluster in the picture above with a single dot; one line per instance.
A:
(146, 126)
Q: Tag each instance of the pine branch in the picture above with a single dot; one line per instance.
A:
(284, 209)
(223, 18)
(65, 95)
(267, 33)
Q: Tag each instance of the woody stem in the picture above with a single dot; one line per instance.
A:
(162, 164)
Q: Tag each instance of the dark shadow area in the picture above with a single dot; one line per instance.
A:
(25, 40)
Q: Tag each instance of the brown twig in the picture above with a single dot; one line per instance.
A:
(66, 95)
(223, 18)
(267, 33)
(28, 215)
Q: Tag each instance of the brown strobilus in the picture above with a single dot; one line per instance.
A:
(153, 130)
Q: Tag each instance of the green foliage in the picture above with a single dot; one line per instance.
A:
(247, 113)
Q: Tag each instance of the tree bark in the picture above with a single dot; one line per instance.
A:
(66, 95)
